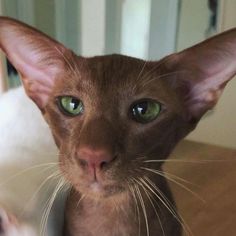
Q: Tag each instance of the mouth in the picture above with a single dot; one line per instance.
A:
(98, 189)
(98, 185)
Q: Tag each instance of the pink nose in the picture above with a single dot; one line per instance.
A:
(94, 159)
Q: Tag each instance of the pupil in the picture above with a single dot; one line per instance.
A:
(74, 104)
(143, 108)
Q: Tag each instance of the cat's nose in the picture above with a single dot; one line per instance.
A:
(95, 159)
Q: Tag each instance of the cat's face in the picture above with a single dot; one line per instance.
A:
(121, 110)
(111, 116)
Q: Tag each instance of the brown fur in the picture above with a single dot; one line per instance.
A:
(187, 84)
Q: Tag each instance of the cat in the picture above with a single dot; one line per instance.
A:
(115, 119)
(23, 164)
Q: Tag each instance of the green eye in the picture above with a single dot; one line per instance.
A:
(71, 106)
(146, 111)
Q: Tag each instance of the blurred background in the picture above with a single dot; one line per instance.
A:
(148, 29)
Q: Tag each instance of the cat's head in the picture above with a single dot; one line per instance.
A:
(112, 115)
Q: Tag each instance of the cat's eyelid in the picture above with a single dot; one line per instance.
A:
(150, 97)
(144, 99)
(58, 96)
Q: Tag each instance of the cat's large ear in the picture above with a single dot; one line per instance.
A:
(38, 58)
(202, 71)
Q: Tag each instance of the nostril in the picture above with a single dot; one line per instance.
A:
(82, 162)
(106, 163)
(103, 164)
(94, 159)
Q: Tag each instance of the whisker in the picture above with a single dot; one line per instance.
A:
(165, 201)
(139, 75)
(157, 66)
(153, 206)
(174, 181)
(48, 206)
(135, 207)
(81, 198)
(54, 175)
(132, 190)
(47, 165)
(142, 205)
(74, 70)
(165, 173)
(141, 71)
(116, 207)
(187, 161)
(167, 204)
(146, 82)
(174, 177)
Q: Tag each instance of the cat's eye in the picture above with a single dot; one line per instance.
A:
(146, 111)
(71, 106)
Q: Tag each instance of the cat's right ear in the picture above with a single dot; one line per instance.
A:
(38, 58)
(199, 74)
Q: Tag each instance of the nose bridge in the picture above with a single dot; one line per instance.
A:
(98, 133)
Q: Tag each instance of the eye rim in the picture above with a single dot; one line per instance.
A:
(63, 110)
(142, 121)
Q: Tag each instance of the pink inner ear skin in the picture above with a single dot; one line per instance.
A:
(209, 65)
(35, 56)
(37, 92)
(205, 93)
(37, 79)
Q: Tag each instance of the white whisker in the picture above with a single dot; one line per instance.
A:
(67, 60)
(81, 198)
(165, 201)
(169, 177)
(54, 175)
(153, 206)
(187, 161)
(161, 77)
(47, 166)
(142, 205)
(132, 190)
(48, 206)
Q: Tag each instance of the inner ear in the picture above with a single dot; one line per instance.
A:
(39, 59)
(200, 73)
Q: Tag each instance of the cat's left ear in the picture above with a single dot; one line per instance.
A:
(38, 58)
(202, 71)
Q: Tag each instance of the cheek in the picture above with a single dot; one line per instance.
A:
(156, 139)
(69, 167)
(64, 129)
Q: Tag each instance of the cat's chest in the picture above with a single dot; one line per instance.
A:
(106, 225)
(103, 220)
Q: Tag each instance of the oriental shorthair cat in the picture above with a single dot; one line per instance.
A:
(115, 119)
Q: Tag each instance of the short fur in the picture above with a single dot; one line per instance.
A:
(111, 201)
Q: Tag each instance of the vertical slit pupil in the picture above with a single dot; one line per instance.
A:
(74, 103)
(142, 108)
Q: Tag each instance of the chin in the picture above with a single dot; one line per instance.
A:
(98, 191)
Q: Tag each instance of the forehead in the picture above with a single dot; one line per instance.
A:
(113, 76)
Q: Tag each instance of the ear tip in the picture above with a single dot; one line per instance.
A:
(4, 20)
(7, 25)
(7, 19)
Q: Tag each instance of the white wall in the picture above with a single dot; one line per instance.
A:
(163, 28)
(93, 27)
(135, 25)
(193, 20)
(2, 63)
(220, 127)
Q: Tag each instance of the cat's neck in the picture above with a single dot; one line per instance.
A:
(99, 217)
(120, 215)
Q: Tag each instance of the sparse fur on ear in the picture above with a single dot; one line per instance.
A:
(204, 71)
(38, 58)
